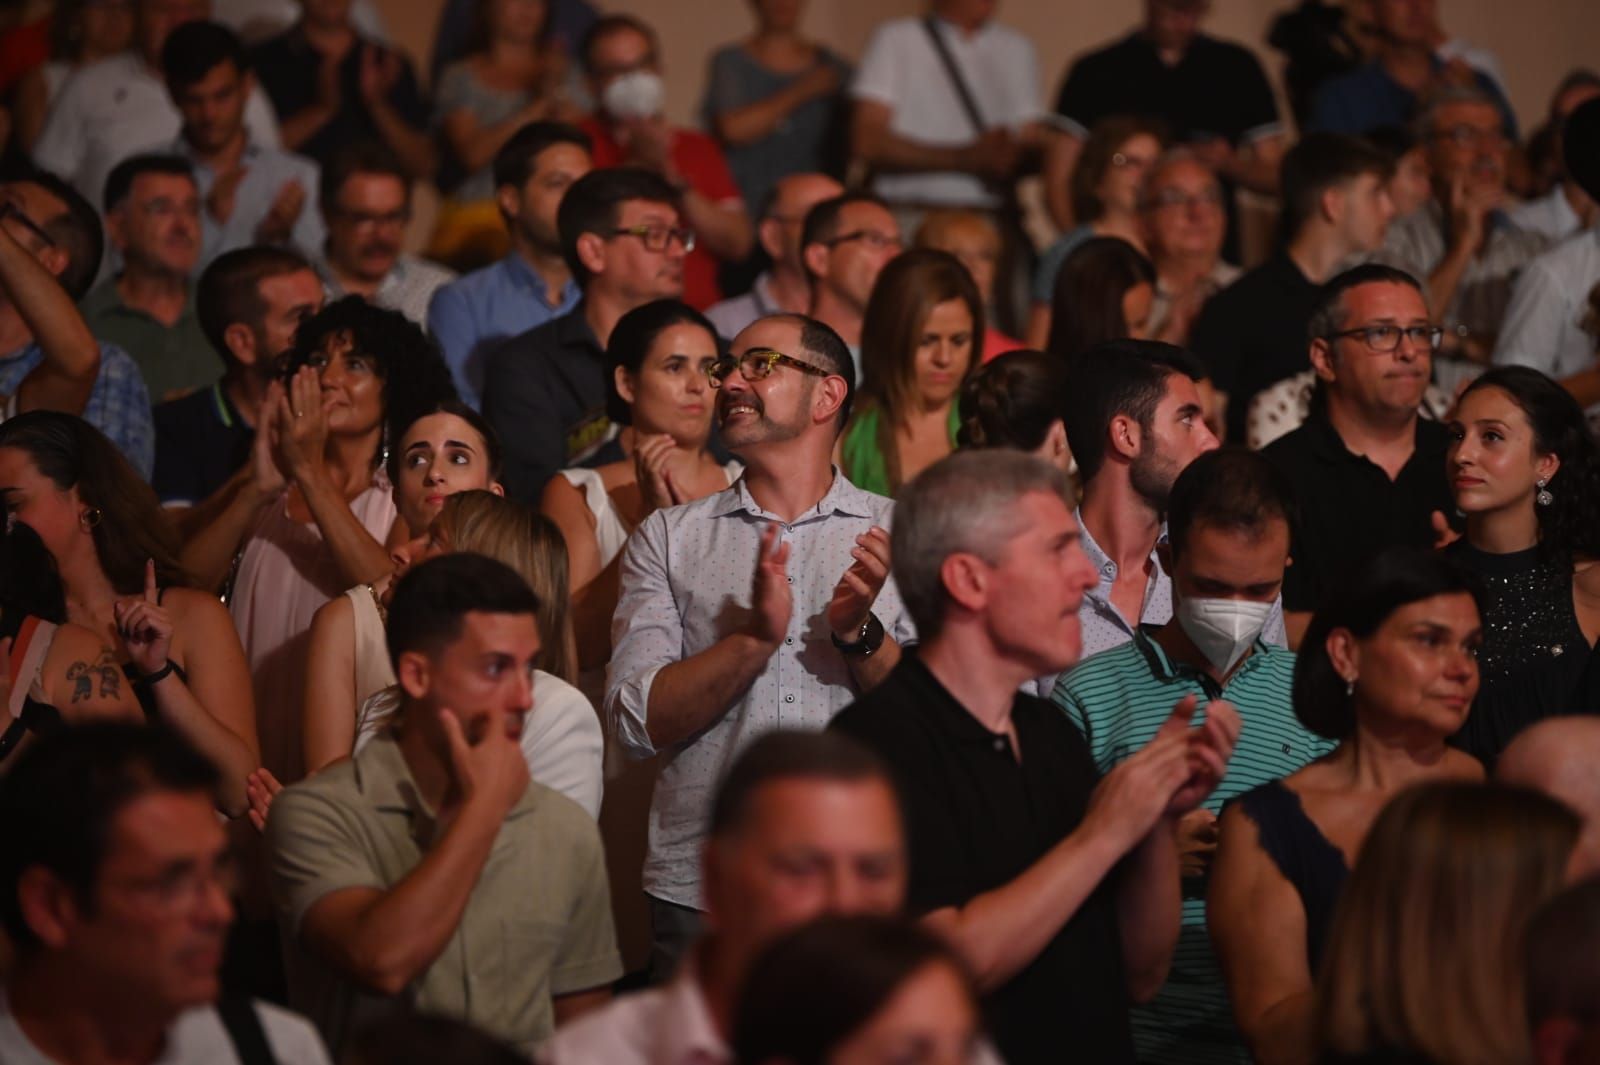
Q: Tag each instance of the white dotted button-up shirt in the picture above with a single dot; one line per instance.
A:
(685, 584)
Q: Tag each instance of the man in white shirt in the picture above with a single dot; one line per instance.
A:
(707, 658)
(113, 108)
(812, 800)
(1565, 209)
(114, 888)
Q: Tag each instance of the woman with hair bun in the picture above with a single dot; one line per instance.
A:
(1015, 401)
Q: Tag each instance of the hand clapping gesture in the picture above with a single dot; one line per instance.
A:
(301, 425)
(771, 598)
(858, 589)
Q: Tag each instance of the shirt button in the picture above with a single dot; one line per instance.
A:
(788, 640)
(1109, 569)
(789, 579)
(788, 698)
(1000, 744)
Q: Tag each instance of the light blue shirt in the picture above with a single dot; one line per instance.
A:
(267, 171)
(470, 314)
(119, 404)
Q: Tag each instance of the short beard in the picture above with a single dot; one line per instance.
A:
(1151, 479)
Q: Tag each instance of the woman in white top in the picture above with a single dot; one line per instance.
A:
(81, 32)
(659, 392)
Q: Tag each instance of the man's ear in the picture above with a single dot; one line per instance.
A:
(240, 340)
(815, 257)
(509, 199)
(49, 907)
(1127, 436)
(592, 252)
(828, 397)
(1331, 204)
(966, 580)
(116, 230)
(770, 233)
(1322, 361)
(415, 673)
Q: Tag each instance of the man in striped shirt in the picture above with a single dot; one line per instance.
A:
(1227, 548)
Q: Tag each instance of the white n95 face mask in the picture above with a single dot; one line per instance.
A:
(637, 94)
(1223, 629)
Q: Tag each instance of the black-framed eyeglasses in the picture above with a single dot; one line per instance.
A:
(1464, 136)
(657, 237)
(757, 364)
(11, 210)
(870, 237)
(1385, 339)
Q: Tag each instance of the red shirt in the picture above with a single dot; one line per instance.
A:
(996, 343)
(700, 161)
(21, 49)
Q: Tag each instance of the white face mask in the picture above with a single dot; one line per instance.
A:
(636, 94)
(1223, 629)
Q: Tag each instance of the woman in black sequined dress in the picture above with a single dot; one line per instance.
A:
(1526, 473)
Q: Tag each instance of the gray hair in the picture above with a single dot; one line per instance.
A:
(964, 504)
(1448, 96)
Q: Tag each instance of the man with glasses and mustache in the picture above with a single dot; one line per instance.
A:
(115, 886)
(845, 244)
(733, 617)
(1367, 471)
(365, 197)
(544, 391)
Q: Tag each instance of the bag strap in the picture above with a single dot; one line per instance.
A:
(249, 1038)
(969, 103)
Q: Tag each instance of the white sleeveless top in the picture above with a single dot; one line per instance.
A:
(609, 531)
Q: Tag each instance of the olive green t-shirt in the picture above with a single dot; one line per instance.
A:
(173, 359)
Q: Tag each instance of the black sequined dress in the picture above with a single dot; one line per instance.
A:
(1534, 652)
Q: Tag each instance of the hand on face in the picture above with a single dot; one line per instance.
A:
(489, 769)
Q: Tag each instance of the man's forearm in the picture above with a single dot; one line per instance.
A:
(216, 535)
(894, 154)
(690, 695)
(725, 230)
(72, 356)
(414, 149)
(1150, 910)
(1446, 277)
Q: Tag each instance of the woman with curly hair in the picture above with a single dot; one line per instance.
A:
(316, 513)
(1526, 473)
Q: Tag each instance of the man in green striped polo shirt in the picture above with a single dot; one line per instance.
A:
(1227, 548)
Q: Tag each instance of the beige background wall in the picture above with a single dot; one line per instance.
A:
(1537, 41)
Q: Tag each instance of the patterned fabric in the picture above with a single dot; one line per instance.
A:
(119, 404)
(408, 288)
(1283, 408)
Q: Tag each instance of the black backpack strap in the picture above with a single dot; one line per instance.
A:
(969, 103)
(249, 1038)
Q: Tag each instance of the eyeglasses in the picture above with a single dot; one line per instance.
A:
(11, 210)
(176, 891)
(1471, 137)
(1177, 198)
(870, 237)
(1385, 339)
(757, 364)
(657, 237)
(1124, 161)
(387, 220)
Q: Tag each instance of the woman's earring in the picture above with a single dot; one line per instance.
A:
(1350, 687)
(1544, 498)
(90, 518)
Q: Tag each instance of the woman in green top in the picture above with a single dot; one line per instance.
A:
(920, 337)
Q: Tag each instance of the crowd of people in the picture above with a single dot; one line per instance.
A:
(776, 592)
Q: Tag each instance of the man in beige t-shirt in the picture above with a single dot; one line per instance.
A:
(428, 868)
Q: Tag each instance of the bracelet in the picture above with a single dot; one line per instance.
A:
(150, 680)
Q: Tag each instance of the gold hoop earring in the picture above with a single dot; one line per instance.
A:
(90, 518)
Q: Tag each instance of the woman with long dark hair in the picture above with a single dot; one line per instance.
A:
(1103, 292)
(115, 553)
(1526, 473)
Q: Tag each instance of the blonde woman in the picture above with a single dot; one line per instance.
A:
(1425, 960)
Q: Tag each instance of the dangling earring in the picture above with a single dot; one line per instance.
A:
(1350, 688)
(383, 448)
(1544, 498)
(90, 518)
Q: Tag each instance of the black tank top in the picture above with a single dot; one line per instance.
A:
(1302, 854)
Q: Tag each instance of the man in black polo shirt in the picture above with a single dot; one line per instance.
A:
(249, 303)
(1060, 888)
(1336, 205)
(1212, 96)
(1368, 473)
(545, 390)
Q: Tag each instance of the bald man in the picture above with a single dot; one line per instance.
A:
(783, 286)
(1560, 756)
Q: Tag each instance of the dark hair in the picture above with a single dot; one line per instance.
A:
(132, 527)
(821, 223)
(606, 25)
(516, 160)
(632, 338)
(360, 157)
(1580, 147)
(411, 1038)
(432, 599)
(785, 754)
(413, 372)
(1117, 377)
(819, 340)
(1394, 141)
(1570, 525)
(1011, 401)
(1105, 139)
(1395, 578)
(1231, 488)
(1330, 314)
(1086, 305)
(195, 49)
(120, 181)
(63, 793)
(77, 231)
(1563, 956)
(815, 986)
(229, 291)
(593, 204)
(1319, 162)
(30, 582)
(493, 453)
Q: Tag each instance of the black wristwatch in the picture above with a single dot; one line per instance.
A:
(867, 641)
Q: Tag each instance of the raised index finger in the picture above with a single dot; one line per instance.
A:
(152, 594)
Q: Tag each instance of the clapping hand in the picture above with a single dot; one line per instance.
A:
(858, 589)
(278, 224)
(652, 460)
(301, 424)
(145, 626)
(1209, 747)
(771, 599)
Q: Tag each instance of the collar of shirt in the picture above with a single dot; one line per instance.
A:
(107, 298)
(252, 151)
(1162, 665)
(917, 680)
(687, 1035)
(384, 779)
(1329, 446)
(761, 295)
(392, 280)
(842, 497)
(523, 276)
(17, 365)
(1102, 563)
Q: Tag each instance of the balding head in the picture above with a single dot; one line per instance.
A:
(1561, 757)
(784, 214)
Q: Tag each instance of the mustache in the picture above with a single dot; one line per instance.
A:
(747, 399)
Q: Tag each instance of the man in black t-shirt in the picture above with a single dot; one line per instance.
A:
(1336, 206)
(1212, 95)
(1061, 888)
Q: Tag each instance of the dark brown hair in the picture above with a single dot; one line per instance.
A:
(1105, 140)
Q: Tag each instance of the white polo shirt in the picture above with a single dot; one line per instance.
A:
(115, 108)
(902, 71)
(1543, 326)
